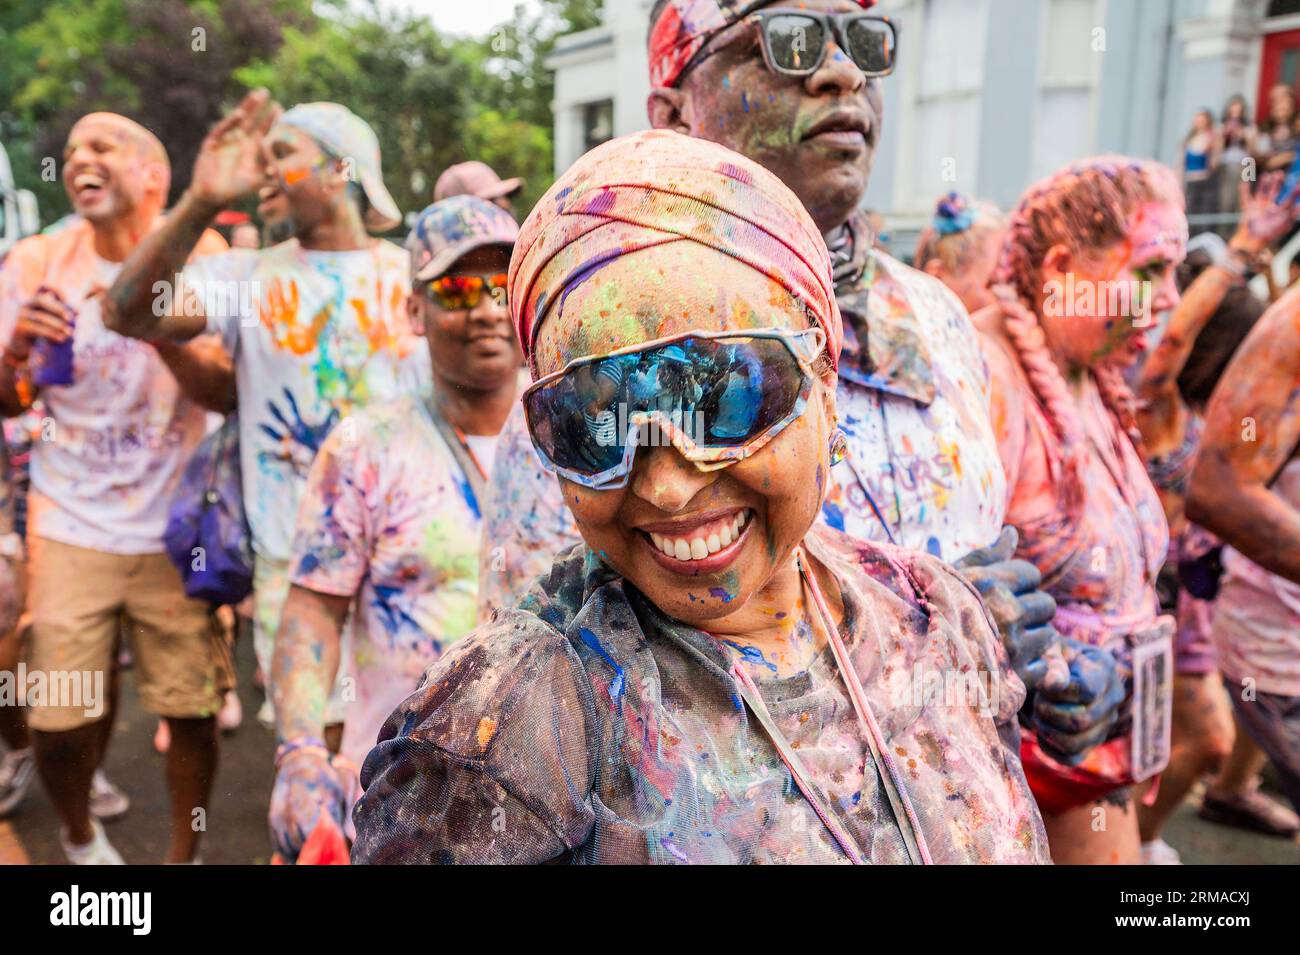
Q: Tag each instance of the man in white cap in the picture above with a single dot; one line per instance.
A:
(480, 180)
(317, 324)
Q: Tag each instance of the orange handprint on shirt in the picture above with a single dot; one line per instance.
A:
(279, 312)
(378, 335)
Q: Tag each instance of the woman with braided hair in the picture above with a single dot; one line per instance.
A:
(1089, 258)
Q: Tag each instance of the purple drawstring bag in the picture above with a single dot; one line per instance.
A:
(207, 533)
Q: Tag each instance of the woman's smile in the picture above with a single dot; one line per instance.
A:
(700, 544)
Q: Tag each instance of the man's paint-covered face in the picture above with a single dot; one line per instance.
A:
(110, 166)
(302, 183)
(737, 525)
(1099, 308)
(817, 133)
(475, 348)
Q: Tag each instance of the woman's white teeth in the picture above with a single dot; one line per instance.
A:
(710, 540)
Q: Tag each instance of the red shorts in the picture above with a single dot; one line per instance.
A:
(1057, 787)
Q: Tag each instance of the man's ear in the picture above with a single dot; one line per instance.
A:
(413, 311)
(666, 108)
(157, 178)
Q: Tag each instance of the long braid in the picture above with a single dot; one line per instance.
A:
(1085, 208)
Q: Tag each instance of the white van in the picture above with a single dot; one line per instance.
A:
(19, 215)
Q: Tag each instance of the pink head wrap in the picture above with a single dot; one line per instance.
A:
(686, 25)
(657, 187)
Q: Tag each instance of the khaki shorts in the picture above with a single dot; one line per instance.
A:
(77, 603)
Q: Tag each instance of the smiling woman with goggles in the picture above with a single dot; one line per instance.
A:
(717, 397)
(698, 681)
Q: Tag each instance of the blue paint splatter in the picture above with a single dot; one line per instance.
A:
(934, 547)
(834, 516)
(751, 655)
(721, 594)
(393, 617)
(616, 685)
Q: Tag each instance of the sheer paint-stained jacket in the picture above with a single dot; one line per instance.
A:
(586, 726)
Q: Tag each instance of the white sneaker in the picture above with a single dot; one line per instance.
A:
(1159, 852)
(107, 802)
(17, 770)
(98, 851)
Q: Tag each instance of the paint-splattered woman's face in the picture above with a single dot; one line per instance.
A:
(764, 505)
(1098, 308)
(970, 280)
(818, 133)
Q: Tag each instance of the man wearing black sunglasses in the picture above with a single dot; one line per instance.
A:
(796, 86)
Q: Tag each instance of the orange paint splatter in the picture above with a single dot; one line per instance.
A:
(487, 728)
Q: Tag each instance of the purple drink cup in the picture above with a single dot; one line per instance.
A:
(51, 362)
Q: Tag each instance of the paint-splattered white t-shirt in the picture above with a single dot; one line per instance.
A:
(315, 336)
(388, 515)
(112, 444)
(923, 469)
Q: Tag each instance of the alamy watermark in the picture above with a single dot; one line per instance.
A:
(611, 429)
(79, 689)
(229, 297)
(1093, 299)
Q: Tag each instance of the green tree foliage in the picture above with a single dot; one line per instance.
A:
(433, 100)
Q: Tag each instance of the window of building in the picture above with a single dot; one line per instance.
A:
(597, 123)
(950, 79)
(1065, 124)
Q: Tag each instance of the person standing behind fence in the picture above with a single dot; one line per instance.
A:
(1237, 138)
(1200, 165)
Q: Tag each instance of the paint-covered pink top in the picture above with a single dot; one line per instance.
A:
(1100, 564)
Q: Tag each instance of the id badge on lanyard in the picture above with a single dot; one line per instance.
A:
(1153, 679)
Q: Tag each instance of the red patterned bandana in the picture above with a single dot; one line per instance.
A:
(686, 25)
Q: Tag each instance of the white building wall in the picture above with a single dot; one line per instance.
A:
(989, 94)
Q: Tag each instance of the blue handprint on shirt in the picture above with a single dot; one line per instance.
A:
(298, 441)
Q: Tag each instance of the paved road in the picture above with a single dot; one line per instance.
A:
(237, 819)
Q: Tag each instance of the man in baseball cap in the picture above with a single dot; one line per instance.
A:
(477, 179)
(390, 518)
(318, 324)
(344, 136)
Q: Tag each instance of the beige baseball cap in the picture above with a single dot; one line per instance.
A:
(345, 135)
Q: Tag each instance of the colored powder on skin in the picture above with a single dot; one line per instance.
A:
(751, 655)
(721, 594)
(616, 685)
